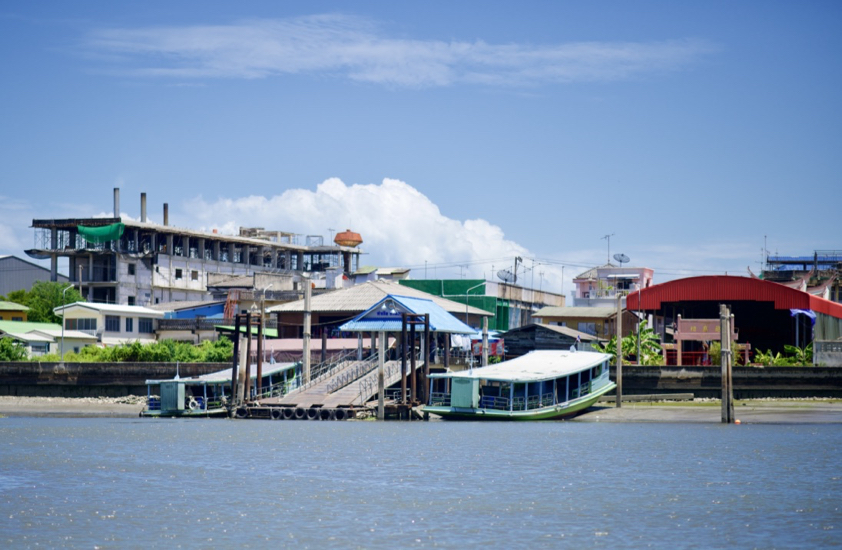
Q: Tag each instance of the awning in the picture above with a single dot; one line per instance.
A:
(103, 233)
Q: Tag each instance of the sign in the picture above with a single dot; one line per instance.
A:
(700, 330)
(495, 347)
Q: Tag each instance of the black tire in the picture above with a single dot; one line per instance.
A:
(276, 414)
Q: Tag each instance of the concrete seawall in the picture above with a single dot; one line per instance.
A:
(91, 379)
(749, 382)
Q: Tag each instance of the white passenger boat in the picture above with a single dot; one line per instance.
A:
(541, 385)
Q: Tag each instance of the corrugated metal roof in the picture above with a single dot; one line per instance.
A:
(112, 308)
(534, 366)
(386, 317)
(11, 306)
(360, 298)
(576, 312)
(567, 331)
(723, 288)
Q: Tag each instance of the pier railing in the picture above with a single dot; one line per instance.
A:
(348, 376)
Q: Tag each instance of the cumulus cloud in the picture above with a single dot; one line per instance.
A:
(357, 48)
(400, 226)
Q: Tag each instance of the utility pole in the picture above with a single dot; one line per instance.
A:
(308, 291)
(619, 402)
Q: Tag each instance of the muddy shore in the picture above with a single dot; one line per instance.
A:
(752, 411)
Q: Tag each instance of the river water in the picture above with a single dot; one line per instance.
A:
(153, 483)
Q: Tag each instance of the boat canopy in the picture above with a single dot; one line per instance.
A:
(224, 376)
(534, 366)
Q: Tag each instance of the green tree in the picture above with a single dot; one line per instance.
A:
(43, 298)
(650, 346)
(11, 350)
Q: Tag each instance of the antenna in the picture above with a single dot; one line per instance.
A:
(608, 255)
(622, 258)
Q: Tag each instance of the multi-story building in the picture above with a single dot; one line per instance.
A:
(600, 286)
(128, 262)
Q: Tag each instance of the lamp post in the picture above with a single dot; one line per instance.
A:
(466, 300)
(63, 306)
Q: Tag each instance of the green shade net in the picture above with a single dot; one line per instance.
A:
(103, 233)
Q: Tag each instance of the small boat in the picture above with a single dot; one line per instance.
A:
(541, 385)
(210, 394)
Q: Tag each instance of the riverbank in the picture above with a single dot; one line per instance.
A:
(117, 407)
(750, 411)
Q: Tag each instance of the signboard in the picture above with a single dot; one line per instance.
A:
(700, 330)
(495, 347)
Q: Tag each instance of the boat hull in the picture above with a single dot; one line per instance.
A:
(554, 412)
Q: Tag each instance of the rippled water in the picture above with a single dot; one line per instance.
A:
(117, 483)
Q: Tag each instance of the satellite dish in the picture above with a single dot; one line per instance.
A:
(505, 275)
(622, 258)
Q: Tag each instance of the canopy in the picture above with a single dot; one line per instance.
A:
(102, 233)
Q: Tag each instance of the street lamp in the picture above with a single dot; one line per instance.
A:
(466, 300)
(63, 310)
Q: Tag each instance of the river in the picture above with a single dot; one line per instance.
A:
(190, 483)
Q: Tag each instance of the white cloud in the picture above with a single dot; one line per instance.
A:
(357, 49)
(399, 225)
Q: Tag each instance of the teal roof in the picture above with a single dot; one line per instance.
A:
(25, 326)
(385, 316)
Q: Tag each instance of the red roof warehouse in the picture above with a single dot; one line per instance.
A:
(762, 309)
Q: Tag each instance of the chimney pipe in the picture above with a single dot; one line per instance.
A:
(116, 202)
(166, 214)
(143, 207)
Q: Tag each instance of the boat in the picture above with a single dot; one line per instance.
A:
(541, 385)
(210, 394)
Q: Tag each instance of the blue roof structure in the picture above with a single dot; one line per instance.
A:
(385, 316)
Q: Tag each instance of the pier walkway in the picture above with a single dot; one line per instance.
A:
(350, 384)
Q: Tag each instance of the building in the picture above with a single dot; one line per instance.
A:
(43, 338)
(520, 341)
(819, 274)
(600, 286)
(511, 306)
(595, 321)
(767, 315)
(127, 262)
(331, 309)
(18, 274)
(111, 324)
(10, 311)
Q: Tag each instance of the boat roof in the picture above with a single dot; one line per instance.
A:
(224, 376)
(534, 366)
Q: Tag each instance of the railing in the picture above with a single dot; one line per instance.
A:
(350, 375)
(494, 402)
(322, 371)
(203, 324)
(439, 399)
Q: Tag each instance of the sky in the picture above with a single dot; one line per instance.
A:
(453, 136)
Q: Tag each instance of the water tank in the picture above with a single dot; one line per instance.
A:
(348, 238)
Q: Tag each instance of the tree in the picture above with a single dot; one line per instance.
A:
(43, 298)
(10, 350)
(650, 346)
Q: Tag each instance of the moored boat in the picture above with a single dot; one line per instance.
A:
(541, 385)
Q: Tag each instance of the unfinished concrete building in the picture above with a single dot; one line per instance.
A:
(131, 262)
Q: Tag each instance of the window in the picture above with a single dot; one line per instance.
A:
(112, 323)
(17, 318)
(131, 300)
(194, 275)
(87, 325)
(129, 324)
(144, 326)
(131, 269)
(178, 273)
(588, 328)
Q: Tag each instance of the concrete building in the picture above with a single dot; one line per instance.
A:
(510, 305)
(111, 324)
(43, 338)
(127, 262)
(18, 274)
(600, 322)
(600, 286)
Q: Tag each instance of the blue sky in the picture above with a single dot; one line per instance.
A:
(447, 133)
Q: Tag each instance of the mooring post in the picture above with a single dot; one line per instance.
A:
(424, 397)
(259, 381)
(724, 361)
(412, 357)
(235, 369)
(381, 381)
(247, 381)
(619, 401)
(324, 345)
(305, 359)
(403, 358)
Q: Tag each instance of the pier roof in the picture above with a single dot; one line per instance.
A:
(386, 316)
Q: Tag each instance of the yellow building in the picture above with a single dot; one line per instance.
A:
(10, 311)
